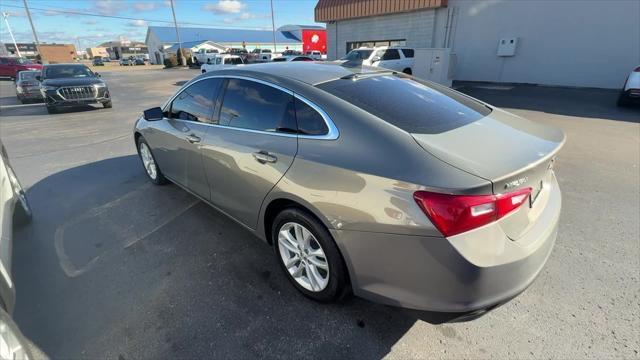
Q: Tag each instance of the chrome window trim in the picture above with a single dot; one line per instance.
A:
(332, 134)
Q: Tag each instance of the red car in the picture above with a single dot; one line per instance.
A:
(11, 66)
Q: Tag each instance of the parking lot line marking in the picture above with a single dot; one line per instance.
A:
(69, 268)
(18, 106)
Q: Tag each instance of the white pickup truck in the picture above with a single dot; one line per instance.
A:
(260, 55)
(205, 54)
(220, 61)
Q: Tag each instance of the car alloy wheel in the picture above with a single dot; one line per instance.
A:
(303, 257)
(148, 162)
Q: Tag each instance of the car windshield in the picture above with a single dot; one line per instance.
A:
(233, 61)
(412, 105)
(72, 71)
(357, 55)
(22, 61)
(28, 75)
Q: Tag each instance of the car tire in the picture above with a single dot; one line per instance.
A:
(107, 105)
(52, 109)
(22, 213)
(407, 71)
(331, 284)
(154, 173)
(623, 100)
(204, 71)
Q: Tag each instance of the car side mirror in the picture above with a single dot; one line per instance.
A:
(375, 59)
(153, 114)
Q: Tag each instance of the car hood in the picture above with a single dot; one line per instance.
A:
(495, 147)
(30, 66)
(71, 81)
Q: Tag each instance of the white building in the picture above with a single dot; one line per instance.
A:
(160, 38)
(569, 43)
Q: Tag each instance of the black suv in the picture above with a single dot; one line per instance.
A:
(72, 84)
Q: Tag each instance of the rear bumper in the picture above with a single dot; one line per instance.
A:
(632, 94)
(437, 274)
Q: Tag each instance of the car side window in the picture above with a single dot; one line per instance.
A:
(310, 122)
(218, 60)
(391, 54)
(408, 53)
(197, 102)
(252, 105)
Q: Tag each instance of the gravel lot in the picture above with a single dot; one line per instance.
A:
(113, 267)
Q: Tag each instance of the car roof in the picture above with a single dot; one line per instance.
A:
(310, 72)
(66, 64)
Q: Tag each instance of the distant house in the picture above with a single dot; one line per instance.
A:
(159, 38)
(195, 46)
(123, 49)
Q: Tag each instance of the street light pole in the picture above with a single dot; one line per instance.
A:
(175, 23)
(273, 28)
(6, 16)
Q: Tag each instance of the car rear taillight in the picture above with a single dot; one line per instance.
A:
(455, 214)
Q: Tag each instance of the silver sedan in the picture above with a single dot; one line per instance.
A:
(365, 180)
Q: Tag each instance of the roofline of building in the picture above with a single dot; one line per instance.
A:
(334, 10)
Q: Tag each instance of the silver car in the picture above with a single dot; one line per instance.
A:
(365, 180)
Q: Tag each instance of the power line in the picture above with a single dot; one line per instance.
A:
(82, 13)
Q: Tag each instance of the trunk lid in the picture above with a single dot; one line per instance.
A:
(511, 152)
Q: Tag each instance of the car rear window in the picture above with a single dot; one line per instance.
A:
(410, 104)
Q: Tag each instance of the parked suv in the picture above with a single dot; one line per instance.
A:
(72, 84)
(11, 66)
(393, 58)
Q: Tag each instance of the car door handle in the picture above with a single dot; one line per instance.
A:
(264, 157)
(193, 139)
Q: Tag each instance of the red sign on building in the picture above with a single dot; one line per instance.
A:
(314, 39)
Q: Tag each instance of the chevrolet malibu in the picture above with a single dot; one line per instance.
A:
(365, 180)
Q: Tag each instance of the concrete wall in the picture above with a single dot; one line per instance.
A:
(57, 53)
(571, 43)
(416, 27)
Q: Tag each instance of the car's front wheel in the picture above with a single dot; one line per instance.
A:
(309, 256)
(107, 104)
(149, 163)
(52, 109)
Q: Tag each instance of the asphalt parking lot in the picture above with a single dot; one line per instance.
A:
(113, 267)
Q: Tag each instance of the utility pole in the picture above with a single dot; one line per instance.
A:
(33, 28)
(175, 23)
(273, 28)
(6, 16)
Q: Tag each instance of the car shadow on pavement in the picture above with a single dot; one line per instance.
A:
(579, 102)
(39, 108)
(113, 266)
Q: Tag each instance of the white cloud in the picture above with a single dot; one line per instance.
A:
(89, 22)
(149, 6)
(225, 7)
(108, 7)
(137, 23)
(245, 16)
(16, 13)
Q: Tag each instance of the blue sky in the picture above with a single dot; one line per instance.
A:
(59, 27)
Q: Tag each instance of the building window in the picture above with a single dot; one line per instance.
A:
(373, 43)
